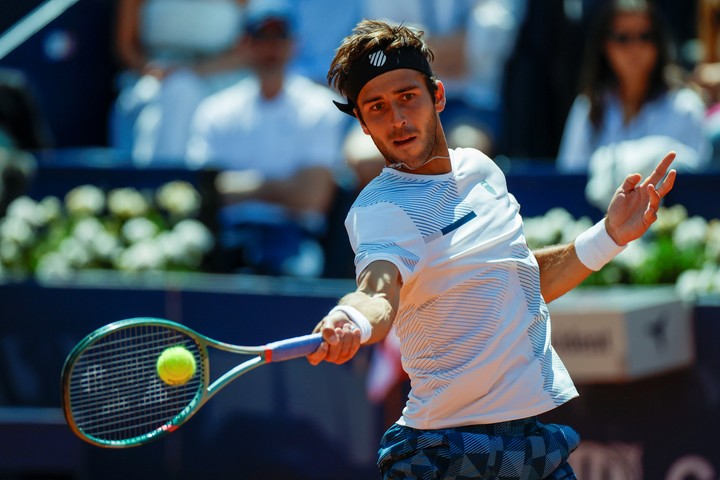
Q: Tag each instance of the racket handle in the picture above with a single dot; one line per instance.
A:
(292, 347)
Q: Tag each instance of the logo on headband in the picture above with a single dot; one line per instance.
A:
(378, 58)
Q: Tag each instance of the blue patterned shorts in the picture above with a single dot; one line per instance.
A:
(517, 450)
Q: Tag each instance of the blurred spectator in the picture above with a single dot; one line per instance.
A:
(22, 124)
(275, 137)
(707, 71)
(23, 129)
(633, 106)
(176, 53)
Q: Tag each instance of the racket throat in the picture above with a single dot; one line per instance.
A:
(232, 374)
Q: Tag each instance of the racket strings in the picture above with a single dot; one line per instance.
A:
(115, 393)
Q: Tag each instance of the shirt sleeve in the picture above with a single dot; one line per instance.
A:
(199, 148)
(384, 232)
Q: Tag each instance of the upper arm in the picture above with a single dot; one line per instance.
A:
(127, 32)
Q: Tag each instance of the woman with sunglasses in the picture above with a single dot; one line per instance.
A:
(633, 106)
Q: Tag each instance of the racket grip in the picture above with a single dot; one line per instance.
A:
(292, 347)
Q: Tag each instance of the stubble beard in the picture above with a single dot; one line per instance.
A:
(425, 157)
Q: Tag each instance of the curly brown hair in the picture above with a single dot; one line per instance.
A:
(367, 37)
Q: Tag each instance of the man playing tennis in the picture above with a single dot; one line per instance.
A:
(440, 254)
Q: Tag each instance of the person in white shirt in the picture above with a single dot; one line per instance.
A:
(441, 257)
(275, 139)
(631, 107)
(174, 53)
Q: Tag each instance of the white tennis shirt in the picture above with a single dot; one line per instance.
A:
(473, 326)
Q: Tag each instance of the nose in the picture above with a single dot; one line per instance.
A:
(398, 116)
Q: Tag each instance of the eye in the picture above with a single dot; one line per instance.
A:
(375, 107)
(408, 96)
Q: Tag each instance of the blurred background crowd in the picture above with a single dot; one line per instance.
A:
(235, 91)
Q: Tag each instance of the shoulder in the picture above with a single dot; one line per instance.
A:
(580, 106)
(311, 97)
(472, 160)
(216, 108)
(302, 89)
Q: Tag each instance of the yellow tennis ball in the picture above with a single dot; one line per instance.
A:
(176, 365)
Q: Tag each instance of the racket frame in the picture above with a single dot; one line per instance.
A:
(284, 350)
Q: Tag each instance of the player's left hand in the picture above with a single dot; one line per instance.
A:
(634, 206)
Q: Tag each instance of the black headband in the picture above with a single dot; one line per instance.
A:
(377, 63)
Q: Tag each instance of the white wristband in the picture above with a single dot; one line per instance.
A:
(595, 247)
(357, 318)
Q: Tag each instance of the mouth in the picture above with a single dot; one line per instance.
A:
(401, 142)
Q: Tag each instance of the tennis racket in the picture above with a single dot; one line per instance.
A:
(112, 394)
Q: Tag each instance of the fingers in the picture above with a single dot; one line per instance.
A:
(630, 182)
(346, 344)
(650, 214)
(341, 342)
(667, 184)
(660, 170)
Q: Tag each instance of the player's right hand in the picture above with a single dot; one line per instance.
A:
(341, 340)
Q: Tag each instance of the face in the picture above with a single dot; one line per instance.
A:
(401, 116)
(631, 48)
(270, 48)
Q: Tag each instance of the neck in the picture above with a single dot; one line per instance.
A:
(632, 95)
(271, 84)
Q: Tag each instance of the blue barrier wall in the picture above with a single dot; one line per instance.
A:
(280, 421)
(286, 420)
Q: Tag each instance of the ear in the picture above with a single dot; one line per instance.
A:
(364, 128)
(440, 99)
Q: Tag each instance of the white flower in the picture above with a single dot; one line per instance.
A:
(536, 233)
(53, 265)
(669, 218)
(17, 230)
(141, 256)
(139, 229)
(573, 229)
(10, 253)
(712, 243)
(105, 246)
(194, 235)
(87, 229)
(25, 208)
(690, 233)
(692, 283)
(50, 210)
(85, 200)
(178, 198)
(557, 220)
(74, 252)
(127, 203)
(172, 248)
(633, 257)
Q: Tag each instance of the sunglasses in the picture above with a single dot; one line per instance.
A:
(270, 36)
(622, 38)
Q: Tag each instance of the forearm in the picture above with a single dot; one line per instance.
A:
(376, 309)
(309, 190)
(370, 308)
(560, 270)
(564, 267)
(127, 35)
(232, 59)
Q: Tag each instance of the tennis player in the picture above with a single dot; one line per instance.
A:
(441, 256)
